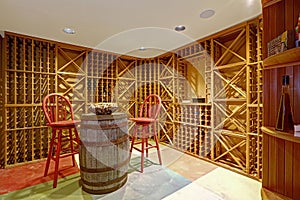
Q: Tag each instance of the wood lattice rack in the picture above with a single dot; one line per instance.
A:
(225, 68)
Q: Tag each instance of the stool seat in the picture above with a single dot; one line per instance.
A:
(142, 120)
(64, 123)
(60, 117)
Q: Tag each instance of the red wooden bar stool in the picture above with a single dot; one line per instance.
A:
(59, 114)
(147, 118)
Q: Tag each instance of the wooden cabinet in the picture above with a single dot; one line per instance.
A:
(281, 162)
(280, 150)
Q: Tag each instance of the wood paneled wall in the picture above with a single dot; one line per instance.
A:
(278, 16)
(281, 151)
(272, 91)
(281, 165)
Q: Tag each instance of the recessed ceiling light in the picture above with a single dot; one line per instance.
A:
(207, 14)
(69, 30)
(180, 28)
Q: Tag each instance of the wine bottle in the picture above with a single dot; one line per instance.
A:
(284, 120)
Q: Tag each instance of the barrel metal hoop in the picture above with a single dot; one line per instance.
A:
(103, 127)
(106, 183)
(105, 169)
(105, 143)
(104, 191)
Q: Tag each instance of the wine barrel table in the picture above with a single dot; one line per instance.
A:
(104, 152)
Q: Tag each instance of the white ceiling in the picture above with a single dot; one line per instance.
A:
(123, 26)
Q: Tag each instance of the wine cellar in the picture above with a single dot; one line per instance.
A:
(224, 69)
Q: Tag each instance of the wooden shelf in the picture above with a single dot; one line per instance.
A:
(288, 57)
(279, 134)
(269, 195)
(267, 3)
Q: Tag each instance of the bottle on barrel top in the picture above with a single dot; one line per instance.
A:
(284, 120)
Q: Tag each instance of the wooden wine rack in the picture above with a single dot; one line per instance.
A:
(194, 129)
(126, 86)
(233, 85)
(225, 68)
(29, 75)
(2, 104)
(237, 95)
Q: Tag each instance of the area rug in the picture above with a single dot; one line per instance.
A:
(23, 176)
(155, 183)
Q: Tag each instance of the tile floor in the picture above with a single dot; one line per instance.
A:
(208, 182)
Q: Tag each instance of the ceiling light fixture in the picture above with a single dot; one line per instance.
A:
(180, 28)
(69, 30)
(142, 48)
(207, 13)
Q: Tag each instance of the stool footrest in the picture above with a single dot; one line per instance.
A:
(149, 147)
(137, 149)
(69, 149)
(145, 148)
(65, 155)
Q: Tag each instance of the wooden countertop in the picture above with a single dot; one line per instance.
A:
(269, 195)
(279, 134)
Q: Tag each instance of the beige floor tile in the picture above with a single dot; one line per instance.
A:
(230, 185)
(208, 179)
